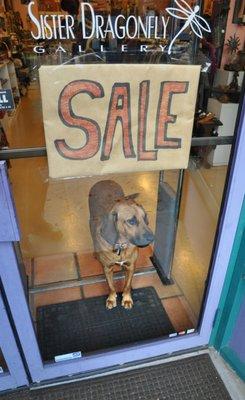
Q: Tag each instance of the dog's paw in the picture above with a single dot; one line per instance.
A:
(127, 302)
(111, 303)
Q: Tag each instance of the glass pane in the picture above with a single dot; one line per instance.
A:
(64, 274)
(146, 38)
(147, 237)
(200, 207)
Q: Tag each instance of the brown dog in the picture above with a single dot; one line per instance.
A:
(118, 227)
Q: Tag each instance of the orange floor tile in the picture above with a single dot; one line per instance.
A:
(56, 296)
(153, 280)
(100, 289)
(56, 268)
(89, 265)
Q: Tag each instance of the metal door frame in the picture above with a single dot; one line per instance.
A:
(15, 376)
(14, 289)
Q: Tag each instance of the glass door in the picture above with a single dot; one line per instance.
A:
(167, 234)
(67, 285)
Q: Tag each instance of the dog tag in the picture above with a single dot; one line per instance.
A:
(69, 356)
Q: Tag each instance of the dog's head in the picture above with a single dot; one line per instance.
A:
(128, 222)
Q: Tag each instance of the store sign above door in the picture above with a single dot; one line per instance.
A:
(102, 119)
(101, 27)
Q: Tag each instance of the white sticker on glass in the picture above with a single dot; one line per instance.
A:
(69, 356)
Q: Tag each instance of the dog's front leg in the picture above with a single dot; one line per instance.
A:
(127, 301)
(111, 301)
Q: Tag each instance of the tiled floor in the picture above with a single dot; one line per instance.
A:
(61, 267)
(74, 267)
(54, 220)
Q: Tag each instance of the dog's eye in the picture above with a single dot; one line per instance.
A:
(132, 221)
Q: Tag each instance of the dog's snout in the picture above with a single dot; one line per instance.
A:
(149, 237)
(143, 240)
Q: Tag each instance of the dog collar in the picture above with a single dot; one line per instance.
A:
(118, 247)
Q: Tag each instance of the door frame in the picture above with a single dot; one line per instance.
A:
(228, 221)
(231, 301)
(15, 376)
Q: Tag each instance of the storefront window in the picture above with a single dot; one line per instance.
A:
(147, 32)
(63, 273)
(68, 286)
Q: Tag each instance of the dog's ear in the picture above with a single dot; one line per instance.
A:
(146, 219)
(108, 229)
(132, 196)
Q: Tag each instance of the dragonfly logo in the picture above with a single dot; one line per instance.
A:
(194, 21)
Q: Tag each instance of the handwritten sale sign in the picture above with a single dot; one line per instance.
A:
(102, 119)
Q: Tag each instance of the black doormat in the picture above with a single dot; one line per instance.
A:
(192, 378)
(86, 325)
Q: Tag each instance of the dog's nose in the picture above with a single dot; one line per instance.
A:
(149, 237)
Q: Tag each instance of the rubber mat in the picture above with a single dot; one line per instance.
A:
(86, 325)
(192, 378)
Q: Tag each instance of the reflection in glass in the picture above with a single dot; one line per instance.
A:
(3, 365)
